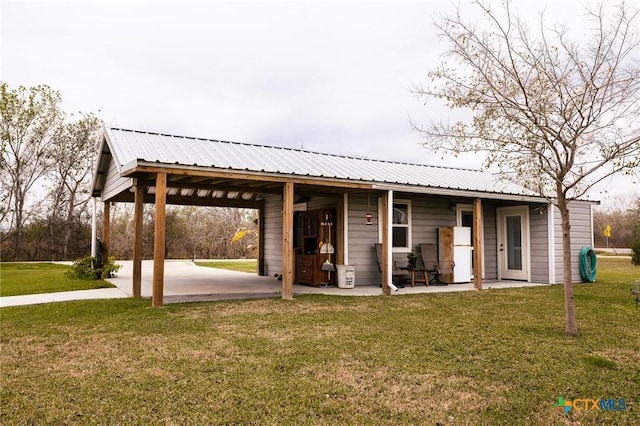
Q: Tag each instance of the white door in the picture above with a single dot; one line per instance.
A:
(513, 243)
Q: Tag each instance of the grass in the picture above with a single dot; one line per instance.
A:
(248, 265)
(34, 278)
(492, 357)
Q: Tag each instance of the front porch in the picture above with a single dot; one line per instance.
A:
(186, 282)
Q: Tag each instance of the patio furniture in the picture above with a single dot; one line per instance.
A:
(419, 268)
(428, 257)
(398, 273)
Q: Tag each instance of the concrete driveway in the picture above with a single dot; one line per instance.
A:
(183, 280)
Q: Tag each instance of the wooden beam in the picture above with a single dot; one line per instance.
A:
(159, 241)
(384, 216)
(137, 240)
(477, 244)
(106, 232)
(217, 186)
(243, 175)
(287, 241)
(128, 197)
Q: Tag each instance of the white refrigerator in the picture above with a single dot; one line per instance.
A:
(454, 254)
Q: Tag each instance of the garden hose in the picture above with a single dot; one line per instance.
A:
(588, 268)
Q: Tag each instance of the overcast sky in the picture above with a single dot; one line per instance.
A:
(323, 76)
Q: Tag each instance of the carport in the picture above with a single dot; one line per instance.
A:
(140, 167)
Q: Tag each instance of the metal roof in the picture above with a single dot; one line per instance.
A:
(131, 147)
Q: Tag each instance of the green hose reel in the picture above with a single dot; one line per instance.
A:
(588, 262)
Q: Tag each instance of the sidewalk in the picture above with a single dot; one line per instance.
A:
(63, 296)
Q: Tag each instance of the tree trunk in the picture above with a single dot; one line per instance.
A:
(69, 225)
(17, 235)
(571, 326)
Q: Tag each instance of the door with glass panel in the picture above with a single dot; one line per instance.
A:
(513, 243)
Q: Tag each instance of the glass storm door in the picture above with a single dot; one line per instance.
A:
(513, 249)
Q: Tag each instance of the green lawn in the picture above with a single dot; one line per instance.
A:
(492, 357)
(34, 278)
(248, 265)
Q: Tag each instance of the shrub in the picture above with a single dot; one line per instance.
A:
(635, 257)
(87, 268)
(111, 268)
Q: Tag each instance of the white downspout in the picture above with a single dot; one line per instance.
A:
(389, 247)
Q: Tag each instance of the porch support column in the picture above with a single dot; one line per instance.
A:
(339, 235)
(159, 240)
(387, 202)
(106, 223)
(287, 241)
(137, 240)
(477, 244)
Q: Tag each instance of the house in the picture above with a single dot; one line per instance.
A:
(313, 206)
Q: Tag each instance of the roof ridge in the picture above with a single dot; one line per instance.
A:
(354, 157)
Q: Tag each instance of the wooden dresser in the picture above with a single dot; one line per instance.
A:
(311, 230)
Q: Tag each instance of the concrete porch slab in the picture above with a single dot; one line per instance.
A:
(184, 282)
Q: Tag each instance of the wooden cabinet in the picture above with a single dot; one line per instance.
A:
(309, 269)
(313, 229)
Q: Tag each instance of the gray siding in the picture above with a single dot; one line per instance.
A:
(361, 239)
(427, 215)
(114, 183)
(272, 235)
(581, 231)
(539, 246)
(317, 203)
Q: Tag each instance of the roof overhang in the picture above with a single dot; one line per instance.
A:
(460, 193)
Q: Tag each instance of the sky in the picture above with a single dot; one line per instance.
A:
(330, 76)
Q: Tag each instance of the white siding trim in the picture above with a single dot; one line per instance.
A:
(389, 247)
(551, 228)
(591, 227)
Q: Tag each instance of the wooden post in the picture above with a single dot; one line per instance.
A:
(287, 241)
(477, 244)
(159, 240)
(137, 240)
(106, 231)
(384, 215)
(339, 234)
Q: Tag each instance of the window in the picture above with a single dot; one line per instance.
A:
(401, 225)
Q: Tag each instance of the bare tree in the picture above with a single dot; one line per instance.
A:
(554, 112)
(28, 119)
(72, 151)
